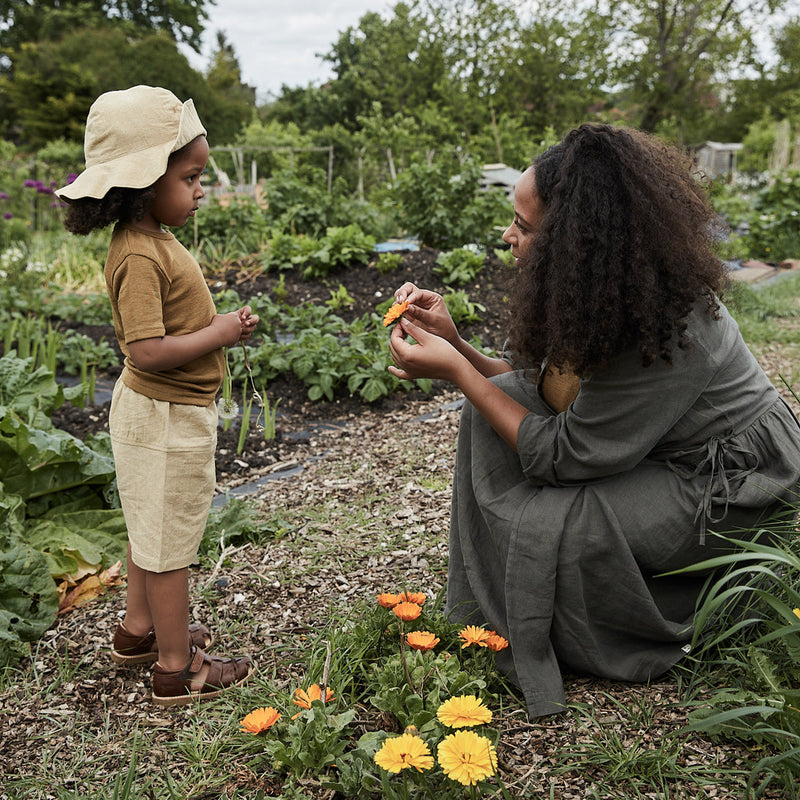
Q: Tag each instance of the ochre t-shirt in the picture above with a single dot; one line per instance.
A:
(157, 289)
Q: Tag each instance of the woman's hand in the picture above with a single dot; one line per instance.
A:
(428, 310)
(430, 357)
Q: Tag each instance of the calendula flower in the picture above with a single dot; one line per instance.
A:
(227, 408)
(412, 597)
(463, 712)
(421, 640)
(395, 312)
(388, 600)
(407, 611)
(305, 699)
(402, 752)
(260, 720)
(496, 642)
(473, 634)
(466, 757)
(796, 612)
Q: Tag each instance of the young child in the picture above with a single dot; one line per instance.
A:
(145, 152)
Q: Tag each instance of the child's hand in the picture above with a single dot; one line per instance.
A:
(247, 321)
(228, 327)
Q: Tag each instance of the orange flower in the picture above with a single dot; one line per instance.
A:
(473, 634)
(260, 720)
(305, 699)
(407, 611)
(389, 600)
(496, 642)
(395, 312)
(421, 640)
(412, 597)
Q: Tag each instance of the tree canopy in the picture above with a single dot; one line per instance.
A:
(488, 78)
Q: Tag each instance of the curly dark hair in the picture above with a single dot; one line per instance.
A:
(621, 255)
(87, 214)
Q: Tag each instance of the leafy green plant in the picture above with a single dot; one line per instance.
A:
(461, 308)
(388, 262)
(339, 299)
(56, 501)
(504, 255)
(459, 266)
(339, 247)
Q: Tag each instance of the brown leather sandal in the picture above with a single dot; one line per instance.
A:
(130, 649)
(174, 687)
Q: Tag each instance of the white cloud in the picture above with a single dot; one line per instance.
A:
(280, 43)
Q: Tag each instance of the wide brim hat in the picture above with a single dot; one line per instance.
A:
(130, 135)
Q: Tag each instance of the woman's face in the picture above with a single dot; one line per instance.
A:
(528, 211)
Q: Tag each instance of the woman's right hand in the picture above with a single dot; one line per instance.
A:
(428, 310)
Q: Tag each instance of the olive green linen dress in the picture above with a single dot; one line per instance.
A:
(560, 547)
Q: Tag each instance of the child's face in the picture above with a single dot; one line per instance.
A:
(178, 190)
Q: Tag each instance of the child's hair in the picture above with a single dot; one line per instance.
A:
(622, 253)
(87, 214)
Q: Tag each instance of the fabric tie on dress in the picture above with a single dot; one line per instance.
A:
(713, 456)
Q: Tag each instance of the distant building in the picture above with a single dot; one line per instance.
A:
(717, 158)
(502, 176)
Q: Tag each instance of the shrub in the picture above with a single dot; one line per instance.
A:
(774, 233)
(447, 208)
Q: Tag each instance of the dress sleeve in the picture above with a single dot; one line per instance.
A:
(620, 414)
(140, 287)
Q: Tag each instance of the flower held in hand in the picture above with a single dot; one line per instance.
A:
(395, 312)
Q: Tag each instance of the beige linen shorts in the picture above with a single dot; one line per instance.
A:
(164, 456)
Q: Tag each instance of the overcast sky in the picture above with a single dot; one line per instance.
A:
(277, 41)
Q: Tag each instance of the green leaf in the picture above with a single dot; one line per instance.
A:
(28, 598)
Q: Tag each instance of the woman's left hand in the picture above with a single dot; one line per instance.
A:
(430, 357)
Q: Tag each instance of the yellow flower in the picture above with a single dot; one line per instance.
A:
(473, 634)
(305, 699)
(412, 597)
(796, 612)
(401, 752)
(466, 757)
(388, 600)
(407, 611)
(395, 312)
(463, 712)
(260, 720)
(496, 642)
(422, 640)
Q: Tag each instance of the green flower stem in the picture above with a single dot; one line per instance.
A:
(403, 659)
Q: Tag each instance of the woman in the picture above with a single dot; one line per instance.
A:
(626, 419)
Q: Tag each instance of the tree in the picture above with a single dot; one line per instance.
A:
(670, 56)
(29, 21)
(395, 62)
(55, 82)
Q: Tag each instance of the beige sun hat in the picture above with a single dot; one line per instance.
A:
(129, 137)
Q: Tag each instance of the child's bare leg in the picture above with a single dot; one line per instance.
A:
(168, 597)
(138, 619)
